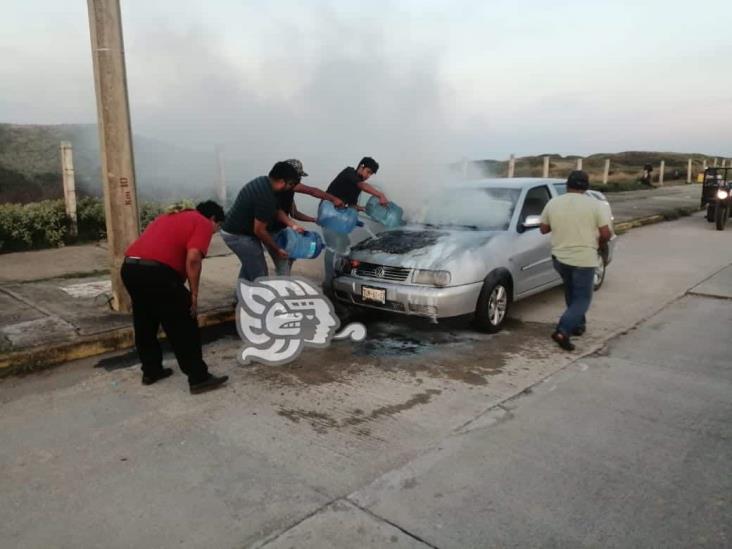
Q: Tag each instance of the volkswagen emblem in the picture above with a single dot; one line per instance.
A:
(379, 272)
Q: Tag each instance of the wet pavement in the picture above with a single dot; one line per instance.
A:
(91, 457)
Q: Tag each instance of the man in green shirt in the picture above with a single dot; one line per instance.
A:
(579, 226)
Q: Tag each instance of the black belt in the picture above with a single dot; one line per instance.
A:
(144, 262)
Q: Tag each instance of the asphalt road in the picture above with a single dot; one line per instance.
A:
(422, 435)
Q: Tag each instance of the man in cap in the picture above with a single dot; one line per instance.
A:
(288, 212)
(247, 224)
(155, 270)
(580, 226)
(348, 186)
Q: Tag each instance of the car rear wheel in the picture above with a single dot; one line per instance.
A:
(493, 303)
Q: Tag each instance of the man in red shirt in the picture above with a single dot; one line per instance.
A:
(156, 267)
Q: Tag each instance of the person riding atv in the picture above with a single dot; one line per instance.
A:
(717, 195)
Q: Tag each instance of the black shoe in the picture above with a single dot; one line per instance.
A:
(563, 341)
(579, 331)
(208, 384)
(149, 379)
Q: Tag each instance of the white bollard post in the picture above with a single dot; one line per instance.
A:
(661, 172)
(606, 172)
(715, 163)
(220, 177)
(545, 172)
(688, 171)
(69, 182)
(511, 166)
(579, 163)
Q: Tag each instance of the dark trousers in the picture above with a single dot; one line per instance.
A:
(578, 288)
(160, 297)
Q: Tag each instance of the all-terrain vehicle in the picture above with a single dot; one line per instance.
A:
(717, 195)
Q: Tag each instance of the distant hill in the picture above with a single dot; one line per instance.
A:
(30, 166)
(624, 166)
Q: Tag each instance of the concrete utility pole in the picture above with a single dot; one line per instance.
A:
(579, 163)
(221, 177)
(545, 172)
(715, 162)
(661, 172)
(115, 138)
(689, 168)
(511, 166)
(704, 165)
(67, 173)
(606, 172)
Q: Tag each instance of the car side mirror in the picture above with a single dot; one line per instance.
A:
(531, 222)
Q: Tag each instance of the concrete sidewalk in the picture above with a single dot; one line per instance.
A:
(54, 304)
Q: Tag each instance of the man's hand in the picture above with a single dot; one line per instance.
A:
(282, 254)
(194, 306)
(359, 208)
(338, 203)
(297, 228)
(383, 200)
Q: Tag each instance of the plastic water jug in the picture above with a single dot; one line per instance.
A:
(341, 221)
(307, 245)
(389, 216)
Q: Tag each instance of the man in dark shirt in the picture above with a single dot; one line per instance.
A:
(286, 204)
(253, 212)
(348, 186)
(155, 270)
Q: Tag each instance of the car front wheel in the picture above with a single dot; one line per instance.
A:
(493, 303)
(600, 271)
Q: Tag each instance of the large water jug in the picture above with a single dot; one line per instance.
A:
(338, 220)
(307, 245)
(390, 216)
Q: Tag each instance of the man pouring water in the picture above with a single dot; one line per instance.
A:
(347, 186)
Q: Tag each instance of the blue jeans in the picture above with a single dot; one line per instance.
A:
(283, 267)
(578, 289)
(249, 251)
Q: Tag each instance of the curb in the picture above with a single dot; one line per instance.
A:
(38, 358)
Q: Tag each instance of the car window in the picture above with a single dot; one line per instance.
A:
(487, 209)
(534, 202)
(561, 188)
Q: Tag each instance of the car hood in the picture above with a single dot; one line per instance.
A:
(421, 247)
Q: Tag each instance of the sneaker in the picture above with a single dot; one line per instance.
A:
(208, 384)
(149, 379)
(563, 341)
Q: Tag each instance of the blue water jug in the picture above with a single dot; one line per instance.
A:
(338, 220)
(307, 245)
(390, 216)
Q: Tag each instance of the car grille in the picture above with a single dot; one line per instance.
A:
(383, 272)
(389, 305)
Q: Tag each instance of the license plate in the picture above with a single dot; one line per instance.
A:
(375, 295)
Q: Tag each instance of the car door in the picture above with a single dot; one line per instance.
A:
(533, 254)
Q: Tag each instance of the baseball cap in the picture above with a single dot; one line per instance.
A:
(295, 163)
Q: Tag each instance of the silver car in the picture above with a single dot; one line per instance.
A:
(476, 249)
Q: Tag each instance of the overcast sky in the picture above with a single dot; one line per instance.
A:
(403, 80)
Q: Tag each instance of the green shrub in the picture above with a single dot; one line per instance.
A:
(36, 225)
(45, 224)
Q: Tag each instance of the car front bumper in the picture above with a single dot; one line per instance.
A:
(424, 301)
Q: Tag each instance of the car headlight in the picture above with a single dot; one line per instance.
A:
(722, 194)
(432, 278)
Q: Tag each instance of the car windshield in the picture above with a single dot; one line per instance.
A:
(477, 209)
(561, 188)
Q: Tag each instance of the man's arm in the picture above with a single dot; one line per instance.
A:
(261, 232)
(297, 214)
(286, 220)
(365, 187)
(317, 193)
(194, 263)
(545, 228)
